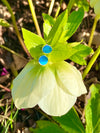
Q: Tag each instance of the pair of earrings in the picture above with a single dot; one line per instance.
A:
(43, 60)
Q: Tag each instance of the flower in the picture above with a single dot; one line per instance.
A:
(48, 80)
(54, 87)
(4, 72)
(96, 5)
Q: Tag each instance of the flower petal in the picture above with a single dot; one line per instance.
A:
(93, 2)
(57, 102)
(96, 5)
(97, 8)
(69, 79)
(31, 85)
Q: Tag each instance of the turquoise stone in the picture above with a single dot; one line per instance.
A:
(47, 49)
(43, 60)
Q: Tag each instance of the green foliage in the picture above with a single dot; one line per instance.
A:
(8, 123)
(92, 110)
(33, 42)
(57, 29)
(81, 52)
(4, 23)
(61, 51)
(62, 29)
(44, 126)
(48, 19)
(70, 122)
(47, 25)
(83, 3)
(74, 20)
(46, 29)
(56, 33)
(70, 5)
(80, 3)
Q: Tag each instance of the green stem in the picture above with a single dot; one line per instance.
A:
(34, 17)
(15, 26)
(51, 7)
(93, 59)
(58, 9)
(92, 32)
(13, 52)
(70, 4)
(97, 52)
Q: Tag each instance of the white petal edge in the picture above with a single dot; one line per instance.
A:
(33, 83)
(57, 102)
(70, 79)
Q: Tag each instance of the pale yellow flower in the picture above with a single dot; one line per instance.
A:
(54, 87)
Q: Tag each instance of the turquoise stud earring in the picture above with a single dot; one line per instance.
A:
(43, 60)
(47, 49)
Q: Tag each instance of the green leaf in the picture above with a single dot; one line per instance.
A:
(61, 51)
(57, 28)
(74, 20)
(92, 110)
(78, 59)
(48, 19)
(81, 52)
(70, 122)
(36, 52)
(46, 29)
(70, 5)
(83, 3)
(4, 23)
(47, 25)
(44, 126)
(32, 41)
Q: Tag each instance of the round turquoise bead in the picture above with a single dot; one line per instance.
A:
(47, 49)
(43, 60)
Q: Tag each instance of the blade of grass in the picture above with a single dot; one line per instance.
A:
(34, 17)
(58, 9)
(51, 7)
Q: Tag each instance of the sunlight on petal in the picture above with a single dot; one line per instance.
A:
(93, 2)
(96, 5)
(31, 85)
(97, 8)
(69, 79)
(57, 102)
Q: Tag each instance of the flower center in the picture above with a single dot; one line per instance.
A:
(47, 49)
(43, 60)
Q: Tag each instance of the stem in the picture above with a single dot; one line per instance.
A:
(70, 4)
(97, 52)
(34, 17)
(13, 52)
(12, 67)
(92, 32)
(5, 2)
(51, 7)
(5, 88)
(93, 59)
(58, 10)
